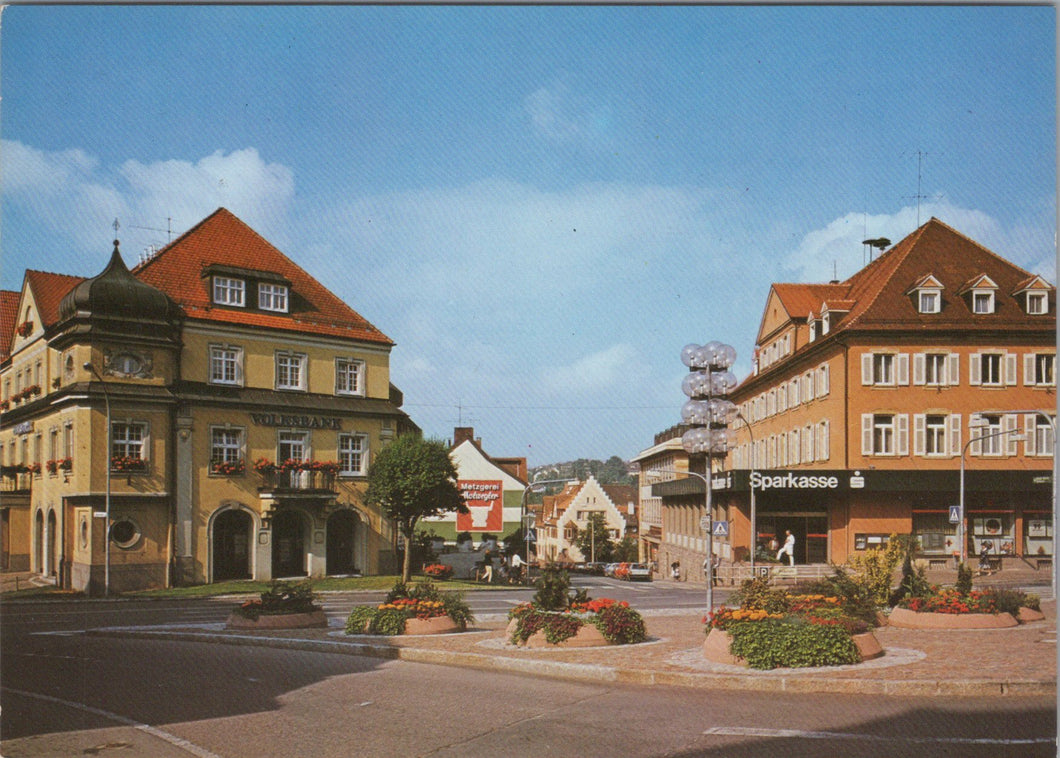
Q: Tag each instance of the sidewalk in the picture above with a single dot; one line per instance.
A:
(1017, 661)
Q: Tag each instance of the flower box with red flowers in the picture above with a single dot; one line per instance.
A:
(227, 468)
(127, 464)
(25, 328)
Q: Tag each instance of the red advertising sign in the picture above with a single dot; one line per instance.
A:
(485, 503)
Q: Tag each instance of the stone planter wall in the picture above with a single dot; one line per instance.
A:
(436, 625)
(315, 619)
(1029, 614)
(903, 618)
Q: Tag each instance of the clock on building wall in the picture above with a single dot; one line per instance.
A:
(127, 363)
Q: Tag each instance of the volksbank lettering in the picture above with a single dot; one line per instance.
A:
(793, 481)
(301, 422)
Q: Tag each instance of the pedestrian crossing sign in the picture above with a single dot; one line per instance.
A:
(720, 529)
(955, 514)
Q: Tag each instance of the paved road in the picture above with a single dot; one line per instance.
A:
(64, 693)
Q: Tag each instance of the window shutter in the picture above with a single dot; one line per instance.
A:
(1030, 444)
(903, 433)
(919, 433)
(903, 369)
(866, 369)
(975, 430)
(1011, 424)
(1010, 369)
(955, 434)
(824, 442)
(825, 380)
(975, 364)
(1028, 369)
(953, 369)
(866, 434)
(919, 368)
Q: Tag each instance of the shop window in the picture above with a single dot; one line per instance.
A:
(994, 533)
(934, 533)
(1038, 535)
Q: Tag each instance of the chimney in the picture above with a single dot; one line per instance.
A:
(463, 434)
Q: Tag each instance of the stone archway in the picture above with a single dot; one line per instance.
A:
(231, 540)
(288, 544)
(342, 527)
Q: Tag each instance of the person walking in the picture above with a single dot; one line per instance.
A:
(788, 547)
(487, 568)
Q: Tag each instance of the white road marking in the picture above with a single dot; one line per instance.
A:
(750, 731)
(172, 739)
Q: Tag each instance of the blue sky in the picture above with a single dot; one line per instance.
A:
(540, 204)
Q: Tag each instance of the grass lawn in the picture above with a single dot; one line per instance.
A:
(251, 587)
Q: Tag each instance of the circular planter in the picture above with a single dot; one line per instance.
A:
(435, 625)
(586, 636)
(312, 620)
(903, 618)
(1029, 614)
(716, 647)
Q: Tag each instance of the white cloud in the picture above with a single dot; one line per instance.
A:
(558, 114)
(603, 370)
(76, 197)
(838, 246)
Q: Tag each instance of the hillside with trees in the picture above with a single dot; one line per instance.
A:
(612, 471)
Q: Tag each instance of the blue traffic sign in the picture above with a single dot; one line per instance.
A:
(955, 514)
(720, 529)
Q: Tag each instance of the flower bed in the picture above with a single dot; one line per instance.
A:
(793, 631)
(421, 609)
(438, 571)
(950, 608)
(284, 605)
(614, 623)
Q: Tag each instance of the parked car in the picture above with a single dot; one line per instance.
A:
(639, 572)
(596, 569)
(609, 569)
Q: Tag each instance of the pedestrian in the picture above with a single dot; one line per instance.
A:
(517, 568)
(984, 557)
(712, 567)
(675, 571)
(487, 567)
(788, 547)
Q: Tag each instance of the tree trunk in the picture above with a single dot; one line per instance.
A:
(406, 564)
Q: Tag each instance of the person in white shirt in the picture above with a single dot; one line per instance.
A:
(788, 547)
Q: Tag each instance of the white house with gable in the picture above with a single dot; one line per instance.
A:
(569, 512)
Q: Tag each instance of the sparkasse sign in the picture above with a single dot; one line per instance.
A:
(793, 481)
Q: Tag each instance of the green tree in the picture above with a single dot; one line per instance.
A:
(412, 478)
(594, 541)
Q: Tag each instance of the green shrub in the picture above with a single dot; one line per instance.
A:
(552, 587)
(620, 625)
(791, 643)
(281, 598)
(359, 619)
(874, 569)
(365, 619)
(756, 595)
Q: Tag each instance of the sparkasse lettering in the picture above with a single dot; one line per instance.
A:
(791, 480)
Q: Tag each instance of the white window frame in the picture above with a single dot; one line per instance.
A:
(229, 291)
(273, 297)
(885, 434)
(129, 443)
(226, 365)
(342, 365)
(982, 302)
(287, 364)
(929, 300)
(1039, 369)
(1037, 303)
(349, 454)
(229, 450)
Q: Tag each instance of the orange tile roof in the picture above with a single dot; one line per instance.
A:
(8, 316)
(49, 290)
(223, 239)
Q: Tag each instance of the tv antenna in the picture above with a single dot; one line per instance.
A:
(919, 196)
(168, 230)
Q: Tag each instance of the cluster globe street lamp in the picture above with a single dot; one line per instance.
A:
(708, 414)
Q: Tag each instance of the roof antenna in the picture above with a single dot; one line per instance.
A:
(918, 196)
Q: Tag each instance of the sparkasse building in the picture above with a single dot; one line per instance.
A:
(868, 395)
(245, 402)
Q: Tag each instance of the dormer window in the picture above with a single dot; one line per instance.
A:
(982, 301)
(929, 301)
(826, 323)
(228, 291)
(1037, 303)
(812, 322)
(272, 297)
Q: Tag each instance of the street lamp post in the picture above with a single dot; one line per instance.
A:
(961, 532)
(106, 506)
(754, 515)
(706, 384)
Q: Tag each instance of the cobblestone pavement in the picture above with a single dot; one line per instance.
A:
(1017, 661)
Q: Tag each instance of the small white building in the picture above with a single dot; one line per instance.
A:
(565, 514)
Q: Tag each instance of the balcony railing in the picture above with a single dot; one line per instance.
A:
(298, 481)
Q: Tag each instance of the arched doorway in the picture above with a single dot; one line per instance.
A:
(231, 545)
(288, 545)
(342, 542)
